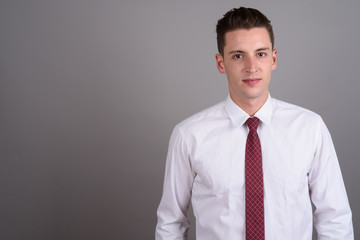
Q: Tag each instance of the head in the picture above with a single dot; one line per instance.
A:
(246, 55)
(241, 18)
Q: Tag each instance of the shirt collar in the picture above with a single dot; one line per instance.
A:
(239, 116)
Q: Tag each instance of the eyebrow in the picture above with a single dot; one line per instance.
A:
(257, 50)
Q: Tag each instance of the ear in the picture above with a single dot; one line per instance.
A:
(220, 63)
(274, 58)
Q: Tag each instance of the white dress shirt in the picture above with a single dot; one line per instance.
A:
(205, 163)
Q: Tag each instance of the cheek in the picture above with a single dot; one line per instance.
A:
(269, 66)
(234, 75)
(234, 69)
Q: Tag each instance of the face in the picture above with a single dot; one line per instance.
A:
(247, 62)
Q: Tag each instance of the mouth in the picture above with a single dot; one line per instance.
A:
(252, 81)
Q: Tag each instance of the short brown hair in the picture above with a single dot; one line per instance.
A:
(241, 18)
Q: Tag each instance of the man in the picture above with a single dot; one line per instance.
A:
(252, 165)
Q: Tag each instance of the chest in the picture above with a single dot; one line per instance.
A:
(219, 162)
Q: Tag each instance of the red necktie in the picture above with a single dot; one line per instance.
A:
(254, 186)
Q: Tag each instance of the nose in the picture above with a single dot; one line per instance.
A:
(250, 65)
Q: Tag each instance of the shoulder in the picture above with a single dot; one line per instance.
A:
(281, 107)
(205, 119)
(205, 116)
(290, 113)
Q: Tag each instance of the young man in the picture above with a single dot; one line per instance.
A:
(252, 165)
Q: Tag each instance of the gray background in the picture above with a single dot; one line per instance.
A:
(90, 91)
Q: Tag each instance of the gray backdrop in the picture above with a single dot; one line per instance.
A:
(90, 91)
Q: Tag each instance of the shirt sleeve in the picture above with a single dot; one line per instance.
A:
(332, 215)
(179, 176)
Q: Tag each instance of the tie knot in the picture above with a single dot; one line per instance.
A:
(252, 123)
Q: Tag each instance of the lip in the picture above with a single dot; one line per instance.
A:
(252, 81)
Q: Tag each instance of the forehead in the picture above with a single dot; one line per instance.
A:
(247, 39)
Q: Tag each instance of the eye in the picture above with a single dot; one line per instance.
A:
(237, 56)
(261, 54)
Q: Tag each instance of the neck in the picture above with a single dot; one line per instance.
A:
(250, 105)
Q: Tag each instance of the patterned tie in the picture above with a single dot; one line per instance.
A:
(254, 189)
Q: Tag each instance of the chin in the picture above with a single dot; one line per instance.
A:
(257, 95)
